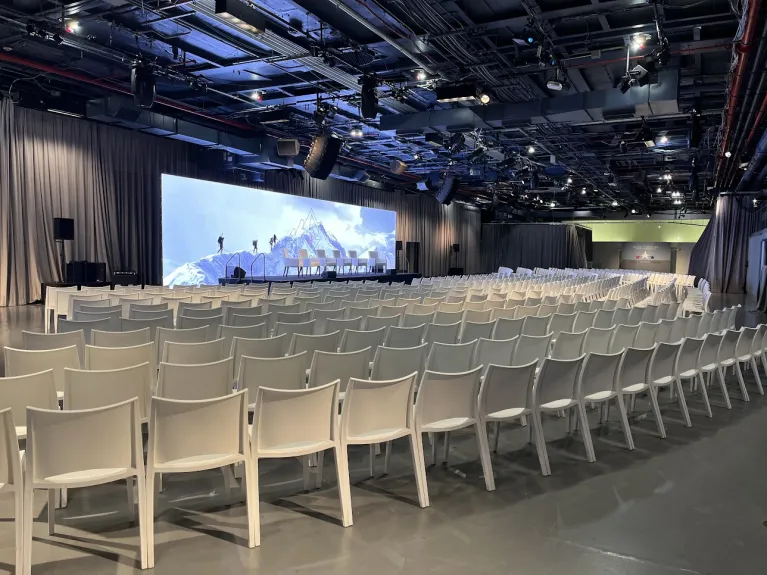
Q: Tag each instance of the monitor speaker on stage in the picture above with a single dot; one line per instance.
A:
(238, 274)
(63, 229)
(322, 156)
(329, 275)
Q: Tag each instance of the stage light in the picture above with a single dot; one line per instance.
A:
(615, 204)
(583, 192)
(668, 177)
(356, 132)
(552, 204)
(241, 15)
(674, 194)
(555, 85)
(420, 75)
(484, 98)
(638, 41)
(633, 211)
(531, 150)
(624, 147)
(72, 26)
(664, 139)
(659, 190)
(417, 156)
(457, 143)
(369, 102)
(257, 96)
(677, 202)
(727, 154)
(625, 84)
(569, 180)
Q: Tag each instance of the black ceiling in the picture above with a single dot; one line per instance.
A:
(314, 53)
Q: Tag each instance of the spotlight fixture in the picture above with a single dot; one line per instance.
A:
(569, 180)
(417, 156)
(143, 84)
(615, 204)
(633, 211)
(638, 42)
(677, 202)
(72, 26)
(583, 192)
(659, 190)
(531, 150)
(484, 98)
(728, 154)
(558, 82)
(674, 194)
(624, 147)
(477, 153)
(420, 75)
(553, 205)
(241, 15)
(356, 132)
(257, 96)
(664, 139)
(667, 177)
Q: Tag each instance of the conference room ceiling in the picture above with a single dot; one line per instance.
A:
(298, 71)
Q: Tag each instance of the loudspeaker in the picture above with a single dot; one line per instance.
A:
(125, 278)
(63, 229)
(369, 101)
(455, 272)
(239, 273)
(392, 272)
(142, 84)
(322, 156)
(398, 245)
(447, 190)
(76, 272)
(412, 253)
(456, 248)
(329, 275)
(397, 167)
(288, 147)
(95, 272)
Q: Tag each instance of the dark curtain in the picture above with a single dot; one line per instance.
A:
(531, 245)
(108, 180)
(721, 253)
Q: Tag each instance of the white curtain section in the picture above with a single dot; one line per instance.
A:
(108, 180)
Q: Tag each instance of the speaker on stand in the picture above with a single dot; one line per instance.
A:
(63, 230)
(397, 250)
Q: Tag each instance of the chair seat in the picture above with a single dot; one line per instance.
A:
(508, 413)
(558, 404)
(88, 476)
(198, 462)
(708, 367)
(727, 362)
(601, 395)
(636, 388)
(59, 395)
(448, 424)
(689, 373)
(669, 379)
(378, 435)
(746, 357)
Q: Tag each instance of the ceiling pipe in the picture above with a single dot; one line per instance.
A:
(743, 47)
(385, 37)
(757, 164)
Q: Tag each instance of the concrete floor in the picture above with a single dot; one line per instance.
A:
(694, 503)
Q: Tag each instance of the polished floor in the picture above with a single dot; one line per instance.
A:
(694, 503)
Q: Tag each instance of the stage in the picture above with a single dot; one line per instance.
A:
(380, 277)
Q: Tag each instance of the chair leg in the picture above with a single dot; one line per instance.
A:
(18, 497)
(434, 440)
(371, 460)
(320, 465)
(496, 435)
(131, 499)
(756, 376)
(484, 454)
(149, 504)
(142, 518)
(51, 512)
(419, 467)
(26, 520)
(683, 403)
(387, 456)
(344, 489)
(723, 385)
(704, 394)
(625, 422)
(585, 431)
(656, 411)
(446, 448)
(540, 444)
(251, 500)
(742, 383)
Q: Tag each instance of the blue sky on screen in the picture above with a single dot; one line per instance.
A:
(195, 212)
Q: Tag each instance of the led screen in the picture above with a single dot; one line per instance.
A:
(208, 228)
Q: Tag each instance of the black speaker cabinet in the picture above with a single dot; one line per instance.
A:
(447, 190)
(329, 275)
(398, 245)
(95, 272)
(455, 272)
(125, 278)
(63, 229)
(413, 255)
(456, 248)
(322, 156)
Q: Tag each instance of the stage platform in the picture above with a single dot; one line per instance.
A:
(385, 278)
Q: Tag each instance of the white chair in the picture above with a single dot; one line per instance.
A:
(392, 363)
(121, 339)
(555, 391)
(183, 306)
(663, 334)
(105, 358)
(82, 448)
(251, 320)
(661, 373)
(531, 348)
(498, 313)
(708, 363)
(566, 308)
(448, 402)
(507, 328)
(599, 383)
(152, 324)
(327, 367)
(400, 337)
(87, 326)
(650, 314)
(89, 389)
(193, 382)
(231, 310)
(506, 395)
(294, 317)
(448, 317)
(189, 436)
(688, 367)
(229, 332)
(165, 335)
(26, 362)
(728, 357)
(311, 343)
(274, 372)
(568, 345)
(290, 330)
(705, 324)
(381, 411)
(475, 330)
(48, 341)
(22, 391)
(11, 480)
(212, 323)
(536, 325)
(203, 312)
(275, 434)
(604, 318)
(451, 358)
(266, 347)
(635, 315)
(442, 333)
(623, 337)
(353, 340)
(584, 320)
(377, 322)
(194, 353)
(646, 335)
(53, 303)
(493, 352)
(415, 319)
(744, 353)
(634, 377)
(559, 323)
(620, 317)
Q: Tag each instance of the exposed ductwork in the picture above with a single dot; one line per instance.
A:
(652, 100)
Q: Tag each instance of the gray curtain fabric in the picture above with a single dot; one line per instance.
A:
(108, 180)
(721, 253)
(531, 245)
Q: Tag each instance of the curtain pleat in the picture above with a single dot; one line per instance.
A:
(109, 180)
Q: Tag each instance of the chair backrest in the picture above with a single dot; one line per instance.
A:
(393, 363)
(599, 373)
(475, 330)
(650, 314)
(321, 316)
(646, 334)
(87, 327)
(687, 361)
(448, 317)
(424, 308)
(85, 315)
(663, 361)
(229, 332)
(43, 341)
(535, 325)
(507, 328)
(355, 323)
(293, 317)
(582, 306)
(557, 380)
(678, 329)
(733, 317)
(560, 322)
(506, 387)
(26, 362)
(30, 390)
(635, 315)
(758, 345)
(353, 340)
(604, 318)
(412, 320)
(596, 305)
(624, 337)
(191, 430)
(451, 307)
(547, 309)
(447, 395)
(371, 406)
(275, 372)
(291, 329)
(99, 309)
(121, 339)
(194, 353)
(566, 308)
(202, 312)
(493, 352)
(673, 310)
(183, 306)
(212, 324)
(400, 337)
(256, 347)
(200, 381)
(709, 353)
(231, 310)
(526, 310)
(328, 367)
(132, 307)
(451, 358)
(531, 348)
(634, 366)
(664, 330)
(374, 322)
(745, 341)
(106, 358)
(705, 324)
(569, 345)
(64, 442)
(311, 343)
(193, 335)
(89, 389)
(584, 320)
(621, 316)
(152, 324)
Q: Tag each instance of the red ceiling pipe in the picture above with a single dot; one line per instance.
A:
(743, 47)
(5, 57)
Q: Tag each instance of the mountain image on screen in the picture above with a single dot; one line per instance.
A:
(308, 234)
